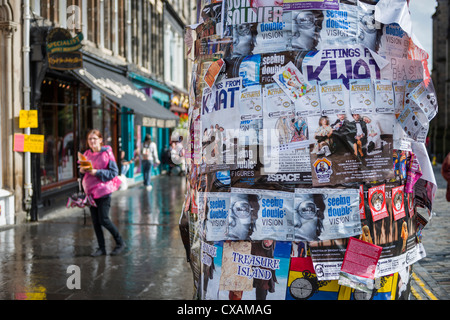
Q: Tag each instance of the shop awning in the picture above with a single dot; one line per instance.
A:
(122, 91)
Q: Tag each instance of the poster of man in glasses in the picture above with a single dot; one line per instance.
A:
(324, 214)
(260, 214)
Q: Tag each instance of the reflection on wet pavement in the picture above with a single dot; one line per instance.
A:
(34, 258)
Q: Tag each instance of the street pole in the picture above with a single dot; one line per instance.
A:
(26, 102)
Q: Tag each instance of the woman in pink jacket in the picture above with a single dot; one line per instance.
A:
(100, 182)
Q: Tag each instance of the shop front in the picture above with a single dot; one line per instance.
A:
(72, 102)
(140, 114)
(159, 130)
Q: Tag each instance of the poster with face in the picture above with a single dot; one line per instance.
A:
(323, 214)
(260, 214)
(306, 28)
(349, 148)
(398, 206)
(250, 11)
(377, 202)
(367, 26)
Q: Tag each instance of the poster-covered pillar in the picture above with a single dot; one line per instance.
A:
(307, 171)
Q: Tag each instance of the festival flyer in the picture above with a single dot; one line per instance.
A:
(361, 96)
(398, 202)
(384, 96)
(213, 71)
(325, 214)
(351, 148)
(394, 42)
(339, 27)
(251, 270)
(399, 95)
(310, 4)
(309, 104)
(377, 202)
(333, 97)
(303, 284)
(414, 124)
(215, 206)
(251, 103)
(242, 12)
(211, 257)
(360, 262)
(345, 63)
(410, 86)
(260, 214)
(280, 120)
(425, 97)
(272, 36)
(367, 26)
(292, 82)
(220, 117)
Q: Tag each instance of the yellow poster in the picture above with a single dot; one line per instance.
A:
(34, 143)
(28, 119)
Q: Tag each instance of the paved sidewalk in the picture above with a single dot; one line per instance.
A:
(35, 257)
(434, 270)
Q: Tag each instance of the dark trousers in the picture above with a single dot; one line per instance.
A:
(100, 218)
(147, 171)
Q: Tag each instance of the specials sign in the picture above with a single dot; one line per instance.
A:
(63, 50)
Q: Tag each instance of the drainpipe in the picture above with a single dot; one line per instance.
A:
(28, 187)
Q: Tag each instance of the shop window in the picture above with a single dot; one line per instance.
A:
(49, 10)
(57, 112)
(121, 27)
(92, 19)
(108, 23)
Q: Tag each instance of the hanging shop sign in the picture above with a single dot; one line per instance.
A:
(63, 50)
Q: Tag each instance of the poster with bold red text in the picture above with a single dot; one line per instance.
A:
(360, 262)
(397, 202)
(377, 202)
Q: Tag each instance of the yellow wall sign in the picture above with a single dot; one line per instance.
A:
(28, 119)
(33, 143)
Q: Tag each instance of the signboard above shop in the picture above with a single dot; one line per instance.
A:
(63, 50)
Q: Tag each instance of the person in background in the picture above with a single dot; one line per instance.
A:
(149, 158)
(99, 183)
(125, 163)
(445, 171)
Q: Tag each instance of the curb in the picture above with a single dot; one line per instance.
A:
(424, 287)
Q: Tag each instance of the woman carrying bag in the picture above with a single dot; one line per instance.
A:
(100, 182)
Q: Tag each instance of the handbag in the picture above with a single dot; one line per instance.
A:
(80, 199)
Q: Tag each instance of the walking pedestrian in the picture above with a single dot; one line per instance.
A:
(100, 182)
(149, 157)
(445, 171)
